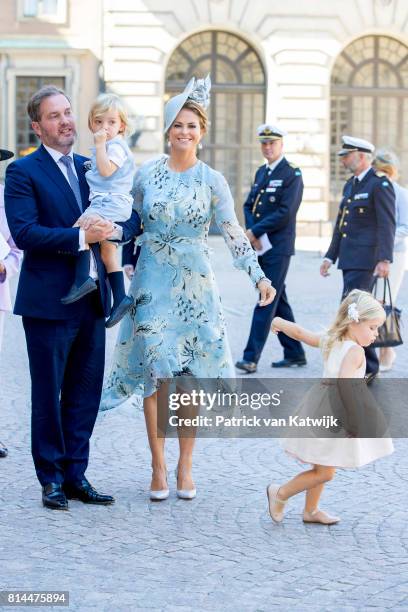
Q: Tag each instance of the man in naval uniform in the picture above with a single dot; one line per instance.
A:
(270, 215)
(363, 237)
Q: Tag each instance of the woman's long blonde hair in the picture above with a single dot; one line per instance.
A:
(366, 308)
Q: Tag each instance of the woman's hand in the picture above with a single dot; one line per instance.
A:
(2, 267)
(267, 292)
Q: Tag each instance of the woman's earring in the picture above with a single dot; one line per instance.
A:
(168, 144)
(200, 146)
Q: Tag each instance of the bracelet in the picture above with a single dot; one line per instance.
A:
(265, 280)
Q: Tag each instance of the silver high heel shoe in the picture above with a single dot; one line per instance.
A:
(161, 494)
(185, 493)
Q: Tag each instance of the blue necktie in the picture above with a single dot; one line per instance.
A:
(72, 179)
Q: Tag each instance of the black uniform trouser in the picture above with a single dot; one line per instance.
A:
(275, 268)
(364, 280)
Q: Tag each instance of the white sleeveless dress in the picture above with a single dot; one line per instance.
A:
(342, 452)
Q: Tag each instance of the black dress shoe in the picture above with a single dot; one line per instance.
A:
(119, 312)
(76, 293)
(85, 492)
(289, 363)
(247, 366)
(3, 450)
(53, 496)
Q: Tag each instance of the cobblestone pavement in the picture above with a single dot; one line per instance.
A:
(220, 551)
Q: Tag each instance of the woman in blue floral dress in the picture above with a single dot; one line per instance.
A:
(177, 325)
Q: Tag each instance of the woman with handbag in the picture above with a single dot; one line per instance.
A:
(386, 161)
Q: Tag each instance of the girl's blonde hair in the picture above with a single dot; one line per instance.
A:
(386, 161)
(365, 308)
(108, 101)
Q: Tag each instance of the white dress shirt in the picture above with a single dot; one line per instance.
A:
(82, 246)
(273, 165)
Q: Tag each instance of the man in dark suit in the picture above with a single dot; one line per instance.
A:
(270, 214)
(363, 236)
(45, 193)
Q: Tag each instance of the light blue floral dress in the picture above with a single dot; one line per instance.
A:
(176, 326)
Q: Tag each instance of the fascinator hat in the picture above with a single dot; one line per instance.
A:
(197, 90)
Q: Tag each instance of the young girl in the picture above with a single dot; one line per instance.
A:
(110, 179)
(355, 327)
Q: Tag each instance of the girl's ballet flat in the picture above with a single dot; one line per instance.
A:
(319, 516)
(159, 495)
(276, 506)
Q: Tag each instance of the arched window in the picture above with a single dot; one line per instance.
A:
(369, 99)
(237, 102)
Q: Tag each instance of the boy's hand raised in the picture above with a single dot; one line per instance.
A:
(100, 137)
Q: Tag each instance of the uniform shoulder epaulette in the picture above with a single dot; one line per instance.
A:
(296, 168)
(382, 175)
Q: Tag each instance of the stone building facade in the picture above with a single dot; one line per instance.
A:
(318, 68)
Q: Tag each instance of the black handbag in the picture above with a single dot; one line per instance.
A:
(389, 334)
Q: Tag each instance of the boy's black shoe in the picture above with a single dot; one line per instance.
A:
(76, 293)
(119, 312)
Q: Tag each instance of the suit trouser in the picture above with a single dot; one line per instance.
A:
(362, 279)
(275, 268)
(66, 361)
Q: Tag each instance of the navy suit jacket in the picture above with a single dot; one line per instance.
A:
(41, 209)
(365, 227)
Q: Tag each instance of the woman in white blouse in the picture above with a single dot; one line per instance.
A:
(10, 259)
(386, 161)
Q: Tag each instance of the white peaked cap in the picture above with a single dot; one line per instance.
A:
(269, 131)
(355, 144)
